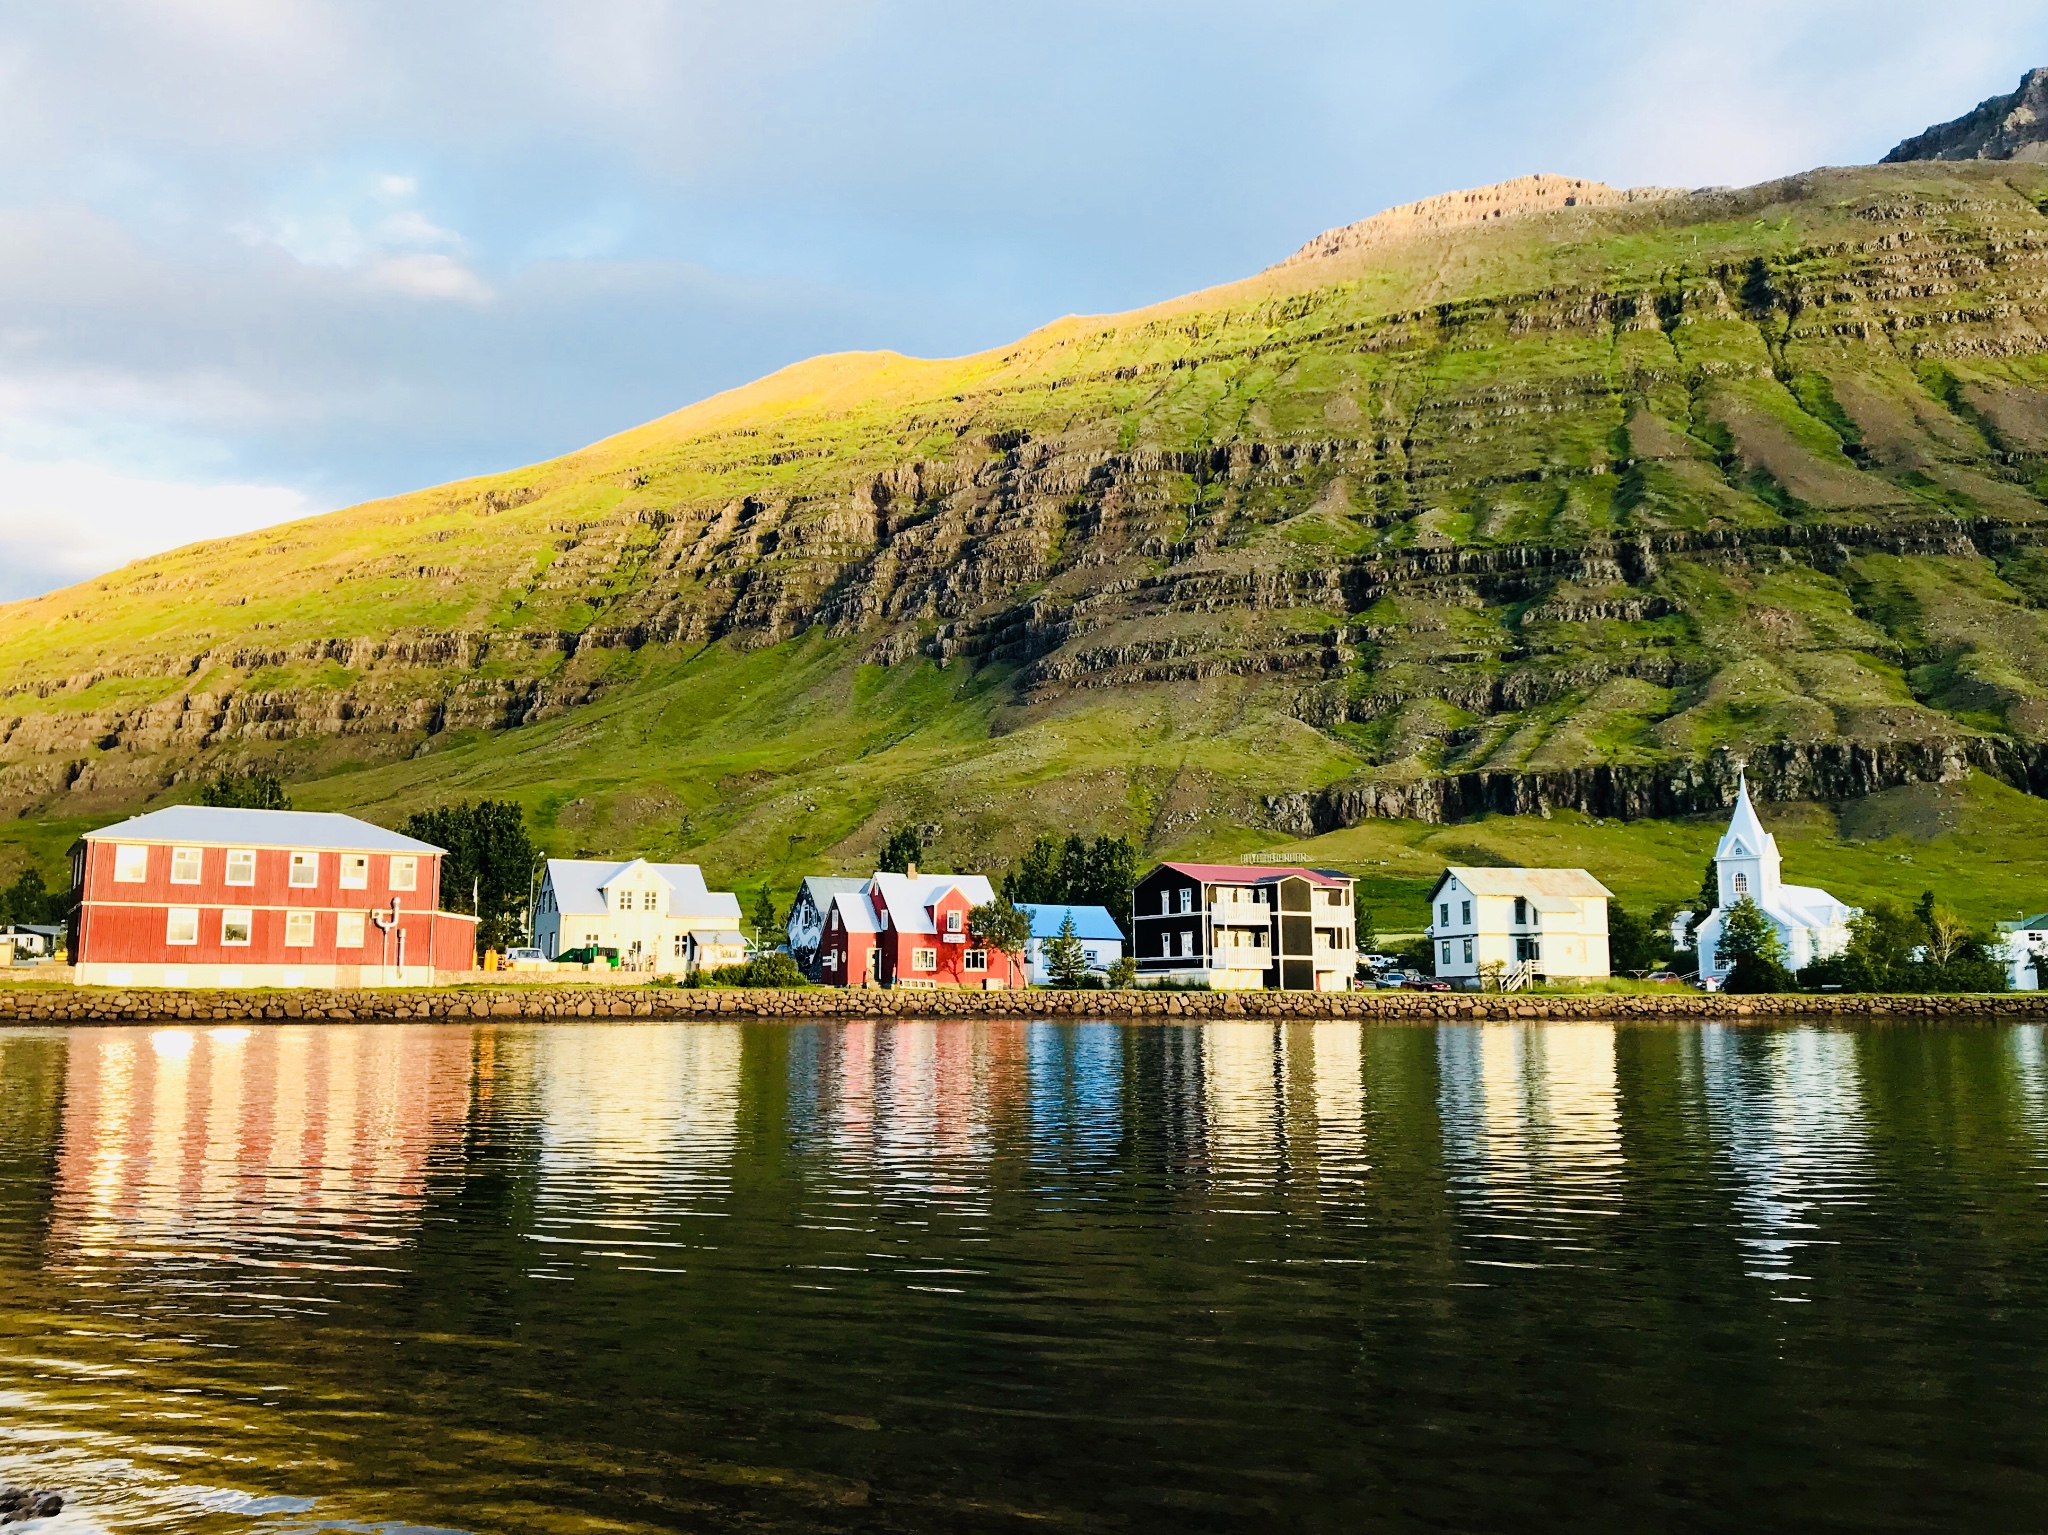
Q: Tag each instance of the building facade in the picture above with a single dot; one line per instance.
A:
(805, 930)
(915, 932)
(1811, 923)
(2022, 948)
(203, 896)
(1102, 941)
(1244, 927)
(1554, 921)
(659, 917)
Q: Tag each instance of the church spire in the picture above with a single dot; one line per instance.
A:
(1748, 855)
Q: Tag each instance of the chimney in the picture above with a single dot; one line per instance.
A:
(910, 872)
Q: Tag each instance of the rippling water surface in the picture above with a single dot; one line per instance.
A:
(989, 1276)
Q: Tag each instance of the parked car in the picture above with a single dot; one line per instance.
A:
(1426, 983)
(517, 957)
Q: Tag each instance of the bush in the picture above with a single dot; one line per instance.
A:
(1756, 975)
(774, 969)
(1123, 974)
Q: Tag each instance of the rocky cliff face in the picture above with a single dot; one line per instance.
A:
(1561, 508)
(2013, 127)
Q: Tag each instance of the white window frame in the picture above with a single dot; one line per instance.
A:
(924, 959)
(974, 959)
(193, 861)
(300, 929)
(310, 863)
(1187, 899)
(241, 866)
(405, 872)
(181, 926)
(243, 918)
(1447, 951)
(355, 871)
(650, 900)
(131, 863)
(1739, 883)
(952, 921)
(348, 929)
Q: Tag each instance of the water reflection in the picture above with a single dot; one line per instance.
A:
(930, 1275)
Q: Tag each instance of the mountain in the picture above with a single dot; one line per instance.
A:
(2011, 127)
(1540, 496)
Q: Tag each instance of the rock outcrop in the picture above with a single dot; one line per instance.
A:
(2012, 127)
(1448, 211)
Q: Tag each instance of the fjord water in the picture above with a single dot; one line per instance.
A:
(996, 1276)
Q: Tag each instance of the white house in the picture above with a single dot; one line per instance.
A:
(658, 916)
(2023, 949)
(1811, 923)
(1102, 941)
(1552, 920)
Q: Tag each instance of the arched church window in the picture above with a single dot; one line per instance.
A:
(1742, 884)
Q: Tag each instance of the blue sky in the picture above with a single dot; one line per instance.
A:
(265, 257)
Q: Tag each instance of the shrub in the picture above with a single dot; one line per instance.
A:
(774, 969)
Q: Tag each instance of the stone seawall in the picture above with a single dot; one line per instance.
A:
(57, 1004)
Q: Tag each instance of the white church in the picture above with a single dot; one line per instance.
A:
(1811, 923)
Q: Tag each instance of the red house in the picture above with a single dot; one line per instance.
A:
(199, 896)
(913, 931)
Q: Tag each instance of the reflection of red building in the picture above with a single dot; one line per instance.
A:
(200, 896)
(914, 931)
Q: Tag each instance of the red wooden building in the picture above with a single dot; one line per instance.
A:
(913, 931)
(199, 896)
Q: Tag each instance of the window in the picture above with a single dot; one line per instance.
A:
(1165, 902)
(952, 921)
(1521, 911)
(355, 871)
(305, 870)
(348, 930)
(1259, 939)
(974, 959)
(1443, 914)
(1741, 884)
(241, 866)
(1447, 951)
(1094, 956)
(234, 928)
(679, 946)
(131, 865)
(1468, 951)
(832, 922)
(298, 930)
(184, 865)
(1465, 914)
(183, 926)
(1187, 899)
(405, 873)
(924, 959)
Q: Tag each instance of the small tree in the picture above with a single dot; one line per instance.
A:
(1750, 948)
(1947, 934)
(1123, 973)
(244, 790)
(764, 914)
(488, 867)
(1064, 956)
(1001, 926)
(1368, 937)
(1492, 974)
(28, 900)
(901, 849)
(1634, 947)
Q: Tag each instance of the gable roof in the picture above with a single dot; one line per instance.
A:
(1090, 922)
(1745, 836)
(822, 887)
(1253, 873)
(579, 885)
(907, 900)
(1537, 884)
(855, 914)
(220, 826)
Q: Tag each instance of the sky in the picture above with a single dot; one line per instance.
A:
(263, 258)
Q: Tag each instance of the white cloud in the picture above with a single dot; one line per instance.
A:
(65, 521)
(427, 275)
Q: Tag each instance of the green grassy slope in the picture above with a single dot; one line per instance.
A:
(1632, 489)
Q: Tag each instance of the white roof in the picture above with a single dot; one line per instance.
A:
(1810, 907)
(908, 900)
(1745, 836)
(1556, 884)
(218, 826)
(855, 915)
(579, 885)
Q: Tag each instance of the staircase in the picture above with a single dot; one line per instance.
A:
(1518, 976)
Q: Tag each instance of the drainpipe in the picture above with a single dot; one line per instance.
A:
(385, 925)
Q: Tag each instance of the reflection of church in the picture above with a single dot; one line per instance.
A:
(1811, 923)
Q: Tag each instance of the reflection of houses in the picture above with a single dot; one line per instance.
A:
(1239, 927)
(914, 931)
(1102, 941)
(1811, 923)
(806, 927)
(658, 916)
(198, 895)
(1553, 921)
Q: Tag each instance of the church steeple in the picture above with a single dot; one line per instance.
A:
(1747, 858)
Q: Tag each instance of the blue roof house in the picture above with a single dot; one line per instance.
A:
(1101, 939)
